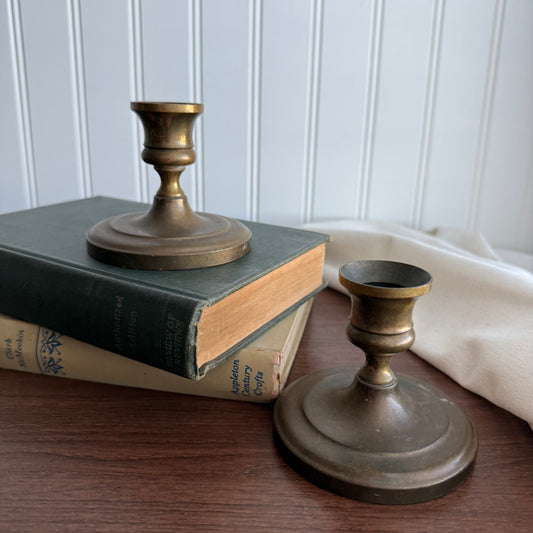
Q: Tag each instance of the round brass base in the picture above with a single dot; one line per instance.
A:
(141, 241)
(402, 444)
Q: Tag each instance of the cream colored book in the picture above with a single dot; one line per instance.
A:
(256, 373)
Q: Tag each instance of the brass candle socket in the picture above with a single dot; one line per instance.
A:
(170, 236)
(379, 437)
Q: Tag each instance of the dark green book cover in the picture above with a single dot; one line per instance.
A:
(47, 277)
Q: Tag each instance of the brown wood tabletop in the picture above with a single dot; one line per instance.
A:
(87, 457)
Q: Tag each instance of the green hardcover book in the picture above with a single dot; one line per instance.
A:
(185, 322)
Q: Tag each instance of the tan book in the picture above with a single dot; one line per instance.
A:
(256, 373)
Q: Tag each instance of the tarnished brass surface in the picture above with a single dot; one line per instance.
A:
(369, 434)
(170, 236)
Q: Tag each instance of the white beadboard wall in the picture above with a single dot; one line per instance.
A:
(413, 111)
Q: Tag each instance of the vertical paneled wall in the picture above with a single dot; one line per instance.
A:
(413, 111)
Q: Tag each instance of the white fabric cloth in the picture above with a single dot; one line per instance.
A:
(476, 324)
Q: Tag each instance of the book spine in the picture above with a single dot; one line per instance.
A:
(104, 311)
(250, 375)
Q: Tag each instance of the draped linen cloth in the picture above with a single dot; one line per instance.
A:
(476, 323)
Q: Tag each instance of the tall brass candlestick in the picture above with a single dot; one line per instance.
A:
(170, 236)
(379, 437)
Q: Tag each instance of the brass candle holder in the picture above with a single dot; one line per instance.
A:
(379, 438)
(170, 236)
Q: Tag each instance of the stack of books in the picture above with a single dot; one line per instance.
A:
(229, 331)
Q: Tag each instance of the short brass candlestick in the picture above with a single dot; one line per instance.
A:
(170, 236)
(379, 437)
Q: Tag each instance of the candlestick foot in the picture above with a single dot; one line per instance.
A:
(134, 241)
(407, 444)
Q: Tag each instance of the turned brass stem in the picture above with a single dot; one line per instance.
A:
(377, 371)
(170, 182)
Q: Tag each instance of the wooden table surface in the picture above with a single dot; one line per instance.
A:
(77, 456)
